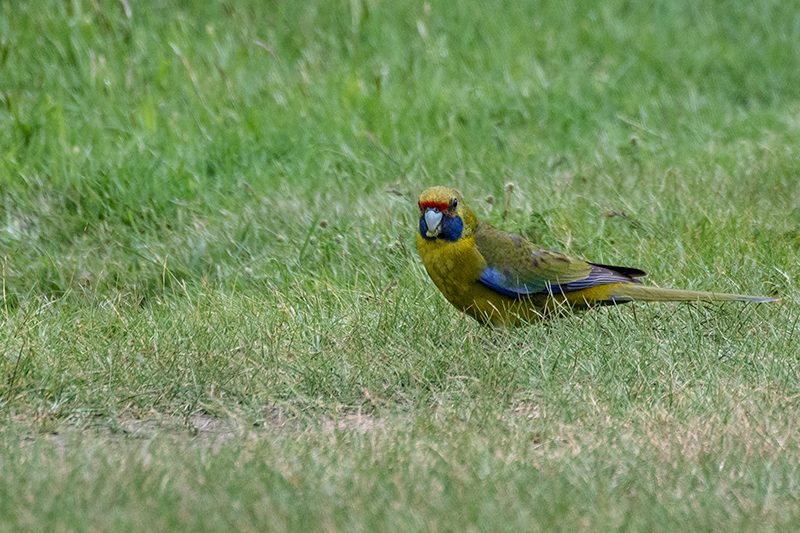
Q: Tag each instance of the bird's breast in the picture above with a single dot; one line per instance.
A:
(453, 266)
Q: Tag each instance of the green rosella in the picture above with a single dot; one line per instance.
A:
(502, 278)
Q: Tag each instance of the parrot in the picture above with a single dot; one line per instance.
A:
(501, 278)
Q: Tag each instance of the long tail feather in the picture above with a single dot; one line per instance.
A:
(643, 293)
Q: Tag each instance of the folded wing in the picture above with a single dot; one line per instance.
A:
(519, 269)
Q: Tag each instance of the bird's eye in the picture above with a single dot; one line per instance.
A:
(453, 203)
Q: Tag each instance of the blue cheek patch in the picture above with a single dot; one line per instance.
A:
(452, 227)
(423, 229)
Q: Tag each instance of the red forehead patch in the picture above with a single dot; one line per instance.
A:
(441, 206)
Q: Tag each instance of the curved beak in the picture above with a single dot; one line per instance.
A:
(433, 219)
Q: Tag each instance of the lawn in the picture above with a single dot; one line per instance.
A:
(214, 317)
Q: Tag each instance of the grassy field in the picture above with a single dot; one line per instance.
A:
(214, 317)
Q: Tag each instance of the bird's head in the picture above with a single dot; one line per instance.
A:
(444, 215)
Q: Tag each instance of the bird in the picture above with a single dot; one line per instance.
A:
(502, 279)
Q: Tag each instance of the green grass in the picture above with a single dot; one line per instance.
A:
(214, 317)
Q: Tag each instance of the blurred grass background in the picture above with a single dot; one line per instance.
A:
(212, 305)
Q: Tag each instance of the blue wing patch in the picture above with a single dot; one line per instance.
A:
(497, 281)
(505, 284)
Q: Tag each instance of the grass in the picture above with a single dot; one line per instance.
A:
(214, 317)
